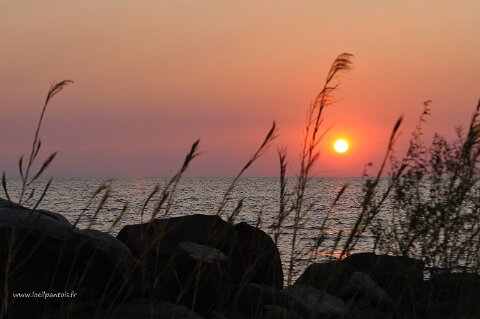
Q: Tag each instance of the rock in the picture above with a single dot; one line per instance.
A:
(382, 267)
(203, 253)
(143, 309)
(119, 254)
(341, 280)
(317, 302)
(196, 259)
(250, 299)
(277, 312)
(329, 276)
(368, 313)
(456, 294)
(257, 301)
(401, 277)
(256, 257)
(171, 267)
(13, 214)
(217, 315)
(151, 309)
(51, 256)
(201, 229)
(196, 278)
(361, 286)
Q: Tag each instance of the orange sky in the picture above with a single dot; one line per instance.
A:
(152, 76)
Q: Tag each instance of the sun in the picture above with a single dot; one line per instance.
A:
(340, 146)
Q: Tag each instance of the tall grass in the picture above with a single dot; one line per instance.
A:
(435, 200)
(428, 207)
(309, 156)
(163, 197)
(27, 190)
(27, 194)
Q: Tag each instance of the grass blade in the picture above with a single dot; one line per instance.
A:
(4, 185)
(45, 189)
(44, 167)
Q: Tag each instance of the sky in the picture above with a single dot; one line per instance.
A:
(153, 76)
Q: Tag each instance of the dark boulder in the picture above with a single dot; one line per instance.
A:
(455, 295)
(261, 301)
(142, 309)
(401, 277)
(169, 272)
(368, 313)
(277, 312)
(255, 257)
(41, 252)
(315, 303)
(340, 279)
(362, 289)
(152, 309)
(194, 275)
(250, 299)
(330, 276)
(196, 259)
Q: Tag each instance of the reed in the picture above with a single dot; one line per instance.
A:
(433, 192)
(435, 200)
(28, 191)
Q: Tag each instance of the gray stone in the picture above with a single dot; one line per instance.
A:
(203, 253)
(316, 301)
(360, 285)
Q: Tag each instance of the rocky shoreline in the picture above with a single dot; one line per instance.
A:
(199, 266)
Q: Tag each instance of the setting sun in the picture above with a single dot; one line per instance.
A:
(340, 146)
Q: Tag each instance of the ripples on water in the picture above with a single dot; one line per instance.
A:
(70, 196)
